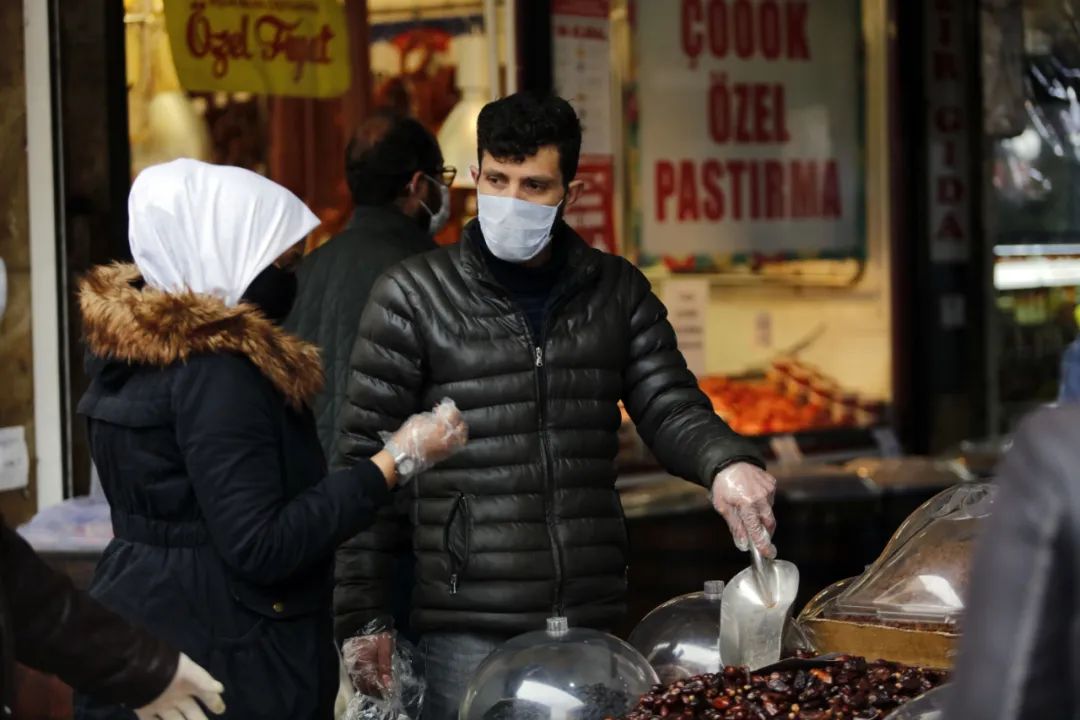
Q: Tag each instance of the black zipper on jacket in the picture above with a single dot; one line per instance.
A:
(549, 477)
(557, 300)
(457, 569)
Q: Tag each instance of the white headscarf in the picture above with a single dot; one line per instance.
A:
(210, 229)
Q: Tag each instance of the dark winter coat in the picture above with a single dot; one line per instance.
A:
(1019, 655)
(526, 521)
(225, 520)
(46, 624)
(334, 284)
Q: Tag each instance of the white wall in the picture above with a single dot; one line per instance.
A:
(48, 447)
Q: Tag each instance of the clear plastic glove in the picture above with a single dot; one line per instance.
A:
(387, 674)
(190, 686)
(369, 661)
(427, 439)
(743, 494)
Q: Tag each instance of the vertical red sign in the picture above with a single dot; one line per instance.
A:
(582, 49)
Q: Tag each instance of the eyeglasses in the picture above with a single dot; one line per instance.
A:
(446, 174)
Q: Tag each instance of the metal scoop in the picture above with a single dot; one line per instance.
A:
(754, 609)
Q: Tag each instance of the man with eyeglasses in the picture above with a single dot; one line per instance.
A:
(400, 189)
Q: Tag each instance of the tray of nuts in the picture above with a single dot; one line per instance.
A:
(840, 688)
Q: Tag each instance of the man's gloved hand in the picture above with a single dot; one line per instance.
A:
(427, 439)
(743, 494)
(369, 660)
(190, 686)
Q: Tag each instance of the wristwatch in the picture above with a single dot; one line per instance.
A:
(404, 464)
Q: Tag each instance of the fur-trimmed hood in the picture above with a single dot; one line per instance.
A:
(139, 325)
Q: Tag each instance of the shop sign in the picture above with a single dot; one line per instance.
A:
(750, 129)
(14, 459)
(582, 51)
(593, 215)
(275, 47)
(949, 158)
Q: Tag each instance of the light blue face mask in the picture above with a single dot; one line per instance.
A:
(438, 220)
(515, 230)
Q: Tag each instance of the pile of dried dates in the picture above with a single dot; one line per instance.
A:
(849, 688)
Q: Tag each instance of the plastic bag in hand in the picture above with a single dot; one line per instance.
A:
(743, 494)
(386, 672)
(427, 439)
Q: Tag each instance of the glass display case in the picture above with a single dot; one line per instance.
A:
(921, 577)
(559, 673)
(908, 473)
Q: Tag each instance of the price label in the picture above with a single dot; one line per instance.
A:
(887, 442)
(14, 458)
(786, 449)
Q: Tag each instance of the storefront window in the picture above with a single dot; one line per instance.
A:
(1033, 212)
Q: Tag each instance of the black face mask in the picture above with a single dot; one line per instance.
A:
(273, 291)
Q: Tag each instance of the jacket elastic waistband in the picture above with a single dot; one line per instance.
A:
(166, 533)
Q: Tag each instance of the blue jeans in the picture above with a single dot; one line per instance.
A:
(450, 660)
(1070, 374)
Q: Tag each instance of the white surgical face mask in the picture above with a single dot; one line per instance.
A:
(515, 230)
(438, 220)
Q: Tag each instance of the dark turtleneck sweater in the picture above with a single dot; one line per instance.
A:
(530, 287)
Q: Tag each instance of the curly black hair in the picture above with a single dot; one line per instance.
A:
(516, 127)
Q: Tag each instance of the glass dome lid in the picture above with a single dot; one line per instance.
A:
(559, 673)
(681, 638)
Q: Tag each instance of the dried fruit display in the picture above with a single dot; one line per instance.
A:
(790, 398)
(760, 408)
(602, 702)
(849, 688)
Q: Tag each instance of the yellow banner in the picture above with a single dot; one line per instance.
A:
(274, 47)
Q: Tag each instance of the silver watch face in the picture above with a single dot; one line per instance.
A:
(405, 466)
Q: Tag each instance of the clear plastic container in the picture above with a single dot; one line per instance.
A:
(921, 578)
(560, 673)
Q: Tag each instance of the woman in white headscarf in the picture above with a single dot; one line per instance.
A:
(225, 517)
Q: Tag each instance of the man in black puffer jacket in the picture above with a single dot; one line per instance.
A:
(536, 337)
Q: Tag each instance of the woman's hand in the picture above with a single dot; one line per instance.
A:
(425, 440)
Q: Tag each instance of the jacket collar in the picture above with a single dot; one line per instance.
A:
(582, 261)
(125, 321)
(387, 224)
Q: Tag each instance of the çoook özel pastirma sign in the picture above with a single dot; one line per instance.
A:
(276, 47)
(750, 131)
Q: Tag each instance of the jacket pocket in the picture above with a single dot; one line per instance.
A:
(456, 537)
